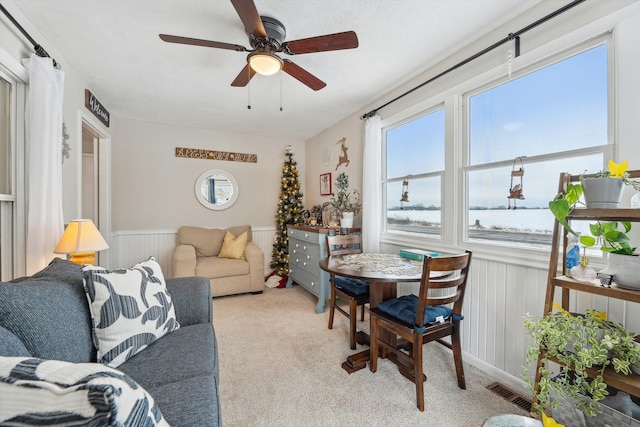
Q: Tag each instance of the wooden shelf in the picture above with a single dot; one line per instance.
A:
(622, 214)
(594, 288)
(627, 383)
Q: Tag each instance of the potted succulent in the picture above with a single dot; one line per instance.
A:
(585, 345)
(345, 202)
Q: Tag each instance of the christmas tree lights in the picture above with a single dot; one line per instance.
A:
(289, 212)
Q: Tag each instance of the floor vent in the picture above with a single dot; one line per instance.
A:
(510, 395)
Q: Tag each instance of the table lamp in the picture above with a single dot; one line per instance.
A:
(81, 239)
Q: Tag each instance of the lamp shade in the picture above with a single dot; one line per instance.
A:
(265, 63)
(80, 236)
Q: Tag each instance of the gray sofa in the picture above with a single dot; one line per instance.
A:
(47, 316)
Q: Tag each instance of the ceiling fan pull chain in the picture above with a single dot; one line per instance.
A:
(249, 94)
(280, 91)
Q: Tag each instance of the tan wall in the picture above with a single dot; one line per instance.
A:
(350, 128)
(153, 189)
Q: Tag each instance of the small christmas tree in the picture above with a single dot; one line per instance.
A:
(289, 212)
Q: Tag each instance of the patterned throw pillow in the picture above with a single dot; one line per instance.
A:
(130, 309)
(57, 393)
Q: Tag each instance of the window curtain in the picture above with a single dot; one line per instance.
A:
(372, 185)
(43, 117)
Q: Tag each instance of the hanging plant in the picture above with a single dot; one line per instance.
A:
(580, 343)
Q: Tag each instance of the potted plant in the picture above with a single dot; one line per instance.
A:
(604, 190)
(345, 202)
(612, 236)
(564, 202)
(585, 345)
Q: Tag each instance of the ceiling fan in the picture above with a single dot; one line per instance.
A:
(266, 37)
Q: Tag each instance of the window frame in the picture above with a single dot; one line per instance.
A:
(455, 180)
(393, 123)
(14, 264)
(607, 150)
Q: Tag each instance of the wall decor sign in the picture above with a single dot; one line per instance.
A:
(98, 110)
(198, 153)
(325, 184)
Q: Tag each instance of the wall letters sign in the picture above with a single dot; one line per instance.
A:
(196, 153)
(98, 110)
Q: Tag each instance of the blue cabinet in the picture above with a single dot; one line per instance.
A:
(307, 246)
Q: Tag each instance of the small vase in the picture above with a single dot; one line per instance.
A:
(602, 193)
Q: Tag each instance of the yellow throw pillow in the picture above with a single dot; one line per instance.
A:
(233, 247)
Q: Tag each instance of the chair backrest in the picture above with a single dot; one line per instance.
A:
(344, 244)
(208, 241)
(453, 284)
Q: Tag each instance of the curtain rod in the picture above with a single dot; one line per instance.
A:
(512, 36)
(36, 47)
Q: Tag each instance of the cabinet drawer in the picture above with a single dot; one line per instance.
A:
(306, 236)
(305, 257)
(306, 279)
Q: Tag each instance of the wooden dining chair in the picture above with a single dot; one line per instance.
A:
(419, 319)
(353, 291)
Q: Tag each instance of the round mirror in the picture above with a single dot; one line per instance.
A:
(216, 189)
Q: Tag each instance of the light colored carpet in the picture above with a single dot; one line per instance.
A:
(280, 366)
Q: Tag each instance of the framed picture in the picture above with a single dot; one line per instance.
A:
(325, 184)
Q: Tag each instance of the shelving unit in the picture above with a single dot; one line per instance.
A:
(627, 383)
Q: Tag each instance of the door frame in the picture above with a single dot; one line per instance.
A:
(103, 180)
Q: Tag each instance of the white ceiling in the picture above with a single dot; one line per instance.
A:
(114, 46)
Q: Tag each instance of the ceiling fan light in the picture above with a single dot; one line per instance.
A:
(265, 63)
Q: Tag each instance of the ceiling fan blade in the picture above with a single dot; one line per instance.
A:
(250, 18)
(244, 76)
(302, 75)
(337, 41)
(204, 43)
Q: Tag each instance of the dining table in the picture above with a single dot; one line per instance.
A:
(383, 271)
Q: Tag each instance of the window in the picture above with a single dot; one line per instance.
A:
(5, 137)
(556, 118)
(554, 115)
(415, 163)
(12, 204)
(7, 198)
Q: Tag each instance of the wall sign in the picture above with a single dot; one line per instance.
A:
(197, 153)
(98, 110)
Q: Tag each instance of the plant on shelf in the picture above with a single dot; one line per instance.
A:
(345, 200)
(611, 239)
(580, 343)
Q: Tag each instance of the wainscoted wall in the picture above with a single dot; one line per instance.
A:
(498, 294)
(130, 247)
